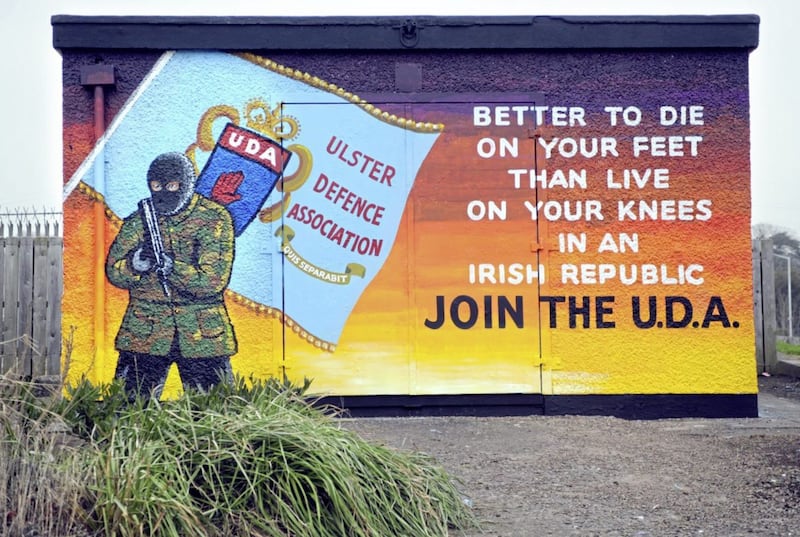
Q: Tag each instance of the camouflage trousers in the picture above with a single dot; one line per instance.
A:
(144, 374)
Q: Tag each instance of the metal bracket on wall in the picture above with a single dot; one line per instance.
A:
(97, 75)
(409, 33)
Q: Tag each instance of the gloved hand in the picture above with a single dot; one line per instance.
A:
(166, 270)
(140, 261)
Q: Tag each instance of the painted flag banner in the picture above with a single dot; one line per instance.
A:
(307, 245)
(241, 172)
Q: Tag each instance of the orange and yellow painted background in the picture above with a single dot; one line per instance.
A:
(440, 317)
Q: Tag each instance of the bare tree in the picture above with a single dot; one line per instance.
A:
(765, 231)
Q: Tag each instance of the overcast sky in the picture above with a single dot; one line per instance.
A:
(31, 69)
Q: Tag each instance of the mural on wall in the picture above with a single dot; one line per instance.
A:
(593, 238)
(306, 247)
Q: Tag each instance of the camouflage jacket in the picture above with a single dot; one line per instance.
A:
(200, 240)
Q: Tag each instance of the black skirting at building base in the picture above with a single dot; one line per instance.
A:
(657, 406)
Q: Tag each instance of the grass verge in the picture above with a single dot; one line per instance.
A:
(788, 348)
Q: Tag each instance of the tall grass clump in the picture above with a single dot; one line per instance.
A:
(41, 466)
(246, 460)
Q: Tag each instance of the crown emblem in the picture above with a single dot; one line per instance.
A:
(271, 122)
(258, 116)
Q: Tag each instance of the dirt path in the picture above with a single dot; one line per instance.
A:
(597, 476)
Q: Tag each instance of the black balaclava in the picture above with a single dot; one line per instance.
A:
(171, 181)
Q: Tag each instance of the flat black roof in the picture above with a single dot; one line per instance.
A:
(405, 32)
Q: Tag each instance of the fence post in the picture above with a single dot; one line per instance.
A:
(55, 284)
(764, 306)
(9, 329)
(26, 345)
(47, 277)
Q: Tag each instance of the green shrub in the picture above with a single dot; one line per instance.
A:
(244, 459)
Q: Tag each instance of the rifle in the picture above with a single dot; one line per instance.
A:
(152, 237)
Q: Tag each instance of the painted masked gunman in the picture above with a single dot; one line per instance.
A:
(174, 256)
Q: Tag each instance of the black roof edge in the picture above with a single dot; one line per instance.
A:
(405, 32)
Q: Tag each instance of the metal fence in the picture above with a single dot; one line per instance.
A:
(31, 279)
(786, 311)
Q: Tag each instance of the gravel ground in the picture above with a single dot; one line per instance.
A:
(598, 476)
